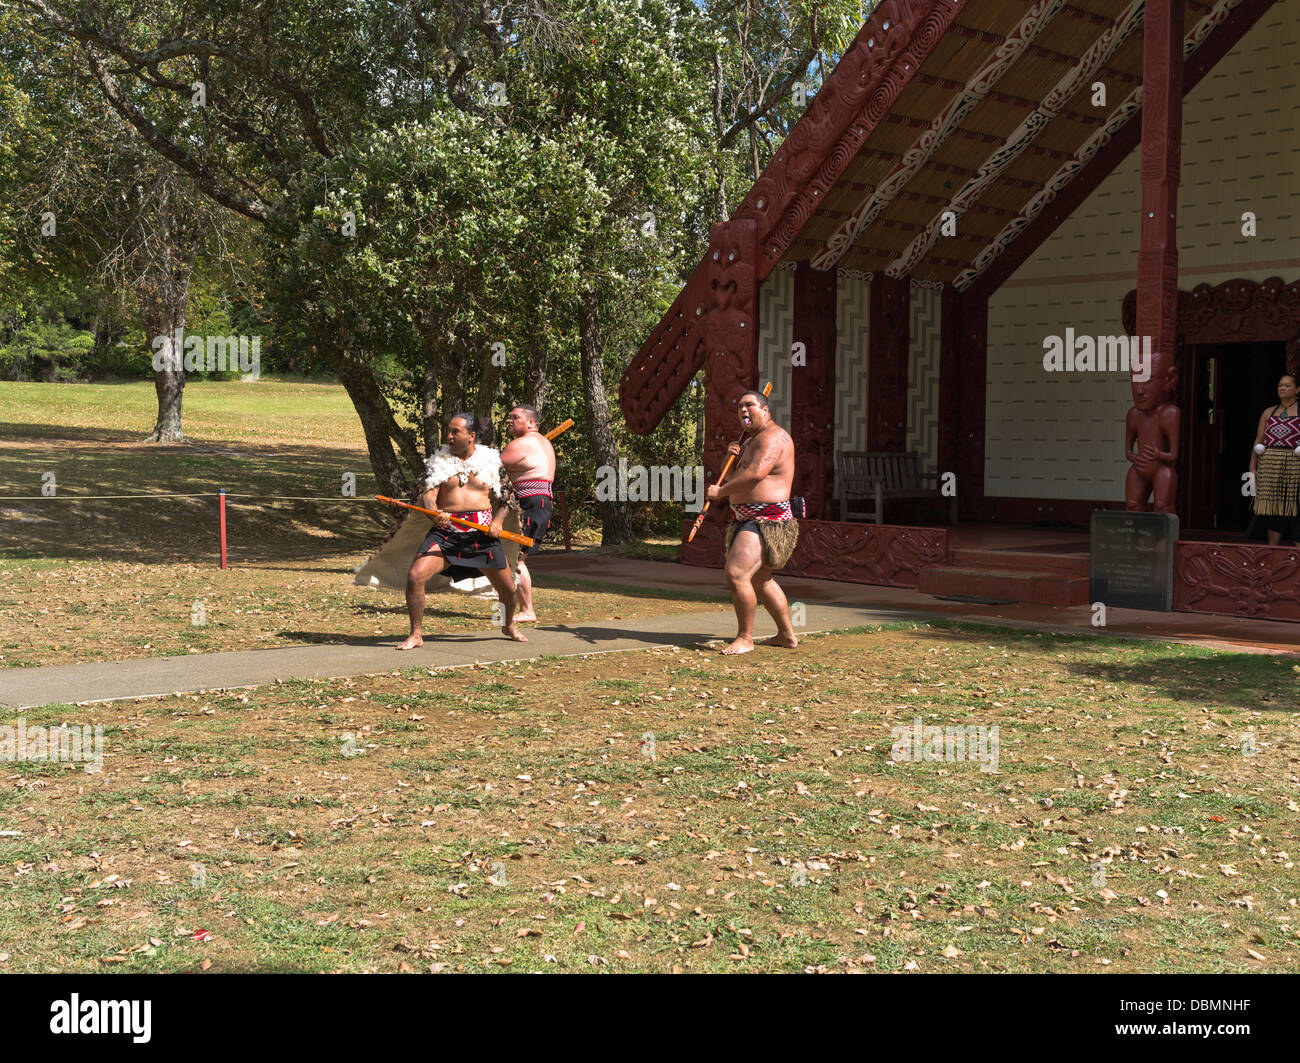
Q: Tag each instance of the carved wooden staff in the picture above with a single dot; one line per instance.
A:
(699, 521)
(560, 429)
(522, 540)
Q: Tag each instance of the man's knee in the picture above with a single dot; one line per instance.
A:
(419, 573)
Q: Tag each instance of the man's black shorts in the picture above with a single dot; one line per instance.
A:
(537, 518)
(466, 551)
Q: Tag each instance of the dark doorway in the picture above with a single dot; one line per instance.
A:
(1223, 389)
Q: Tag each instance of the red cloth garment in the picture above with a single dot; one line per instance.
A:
(761, 511)
(532, 488)
(1282, 432)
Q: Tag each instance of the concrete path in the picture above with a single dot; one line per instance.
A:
(828, 605)
(22, 688)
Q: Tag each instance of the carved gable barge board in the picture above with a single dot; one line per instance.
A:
(1202, 61)
(853, 100)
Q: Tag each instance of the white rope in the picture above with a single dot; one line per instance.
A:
(199, 494)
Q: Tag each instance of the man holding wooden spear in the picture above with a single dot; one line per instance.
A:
(464, 478)
(529, 460)
(762, 533)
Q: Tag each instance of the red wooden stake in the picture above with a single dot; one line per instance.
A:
(223, 527)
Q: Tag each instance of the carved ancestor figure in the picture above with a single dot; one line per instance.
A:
(1153, 425)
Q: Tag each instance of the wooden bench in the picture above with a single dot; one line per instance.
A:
(869, 476)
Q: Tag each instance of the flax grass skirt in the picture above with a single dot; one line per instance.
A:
(1277, 495)
(779, 539)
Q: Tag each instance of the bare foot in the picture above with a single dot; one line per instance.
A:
(514, 633)
(740, 646)
(411, 642)
(525, 618)
(788, 642)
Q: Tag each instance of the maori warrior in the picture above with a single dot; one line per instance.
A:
(465, 479)
(763, 530)
(529, 461)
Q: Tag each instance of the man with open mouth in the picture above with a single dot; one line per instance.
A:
(464, 479)
(763, 531)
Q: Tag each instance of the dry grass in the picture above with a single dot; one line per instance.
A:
(104, 579)
(506, 817)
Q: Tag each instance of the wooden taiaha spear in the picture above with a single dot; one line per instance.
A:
(699, 521)
(522, 540)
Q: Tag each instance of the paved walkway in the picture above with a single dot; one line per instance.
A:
(1220, 632)
(827, 605)
(157, 676)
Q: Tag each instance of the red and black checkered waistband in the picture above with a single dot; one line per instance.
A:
(761, 511)
(478, 516)
(531, 488)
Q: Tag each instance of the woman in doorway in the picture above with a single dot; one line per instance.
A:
(1277, 468)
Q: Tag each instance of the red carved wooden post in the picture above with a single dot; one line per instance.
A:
(812, 410)
(729, 310)
(1152, 429)
(887, 357)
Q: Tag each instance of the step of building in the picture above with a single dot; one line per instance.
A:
(1037, 587)
(1065, 564)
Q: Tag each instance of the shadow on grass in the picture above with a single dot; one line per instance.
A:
(1167, 671)
(594, 636)
(152, 530)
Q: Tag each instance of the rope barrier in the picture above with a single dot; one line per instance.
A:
(223, 496)
(196, 494)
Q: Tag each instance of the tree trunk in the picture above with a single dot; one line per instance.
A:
(616, 521)
(535, 380)
(453, 381)
(487, 394)
(432, 429)
(164, 294)
(720, 197)
(163, 319)
(377, 423)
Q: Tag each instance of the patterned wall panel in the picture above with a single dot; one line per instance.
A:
(923, 375)
(1062, 435)
(885, 555)
(852, 316)
(1239, 580)
(775, 337)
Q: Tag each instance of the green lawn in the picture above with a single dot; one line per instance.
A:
(268, 410)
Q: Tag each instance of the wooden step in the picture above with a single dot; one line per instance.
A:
(1039, 587)
(1067, 564)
